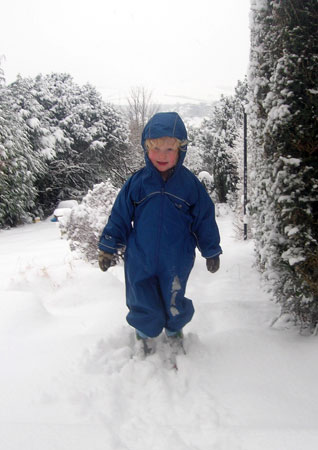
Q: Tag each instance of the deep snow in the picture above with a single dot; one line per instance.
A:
(69, 379)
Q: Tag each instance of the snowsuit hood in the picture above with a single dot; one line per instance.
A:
(165, 124)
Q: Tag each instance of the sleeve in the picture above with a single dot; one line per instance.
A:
(204, 226)
(118, 228)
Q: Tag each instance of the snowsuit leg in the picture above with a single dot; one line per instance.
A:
(143, 298)
(179, 309)
(156, 301)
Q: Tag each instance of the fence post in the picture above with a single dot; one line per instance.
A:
(245, 175)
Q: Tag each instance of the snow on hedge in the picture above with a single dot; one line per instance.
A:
(83, 225)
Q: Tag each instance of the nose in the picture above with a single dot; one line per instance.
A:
(161, 155)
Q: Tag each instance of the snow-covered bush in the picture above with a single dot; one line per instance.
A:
(208, 182)
(83, 225)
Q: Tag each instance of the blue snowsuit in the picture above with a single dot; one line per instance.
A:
(161, 223)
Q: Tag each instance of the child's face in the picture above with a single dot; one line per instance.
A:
(164, 153)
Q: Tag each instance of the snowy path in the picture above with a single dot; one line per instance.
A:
(69, 379)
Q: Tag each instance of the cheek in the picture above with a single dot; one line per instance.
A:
(173, 158)
(151, 156)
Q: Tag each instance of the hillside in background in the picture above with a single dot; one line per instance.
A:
(191, 113)
(189, 110)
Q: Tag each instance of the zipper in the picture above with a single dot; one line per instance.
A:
(162, 192)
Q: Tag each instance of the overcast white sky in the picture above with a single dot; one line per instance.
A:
(177, 48)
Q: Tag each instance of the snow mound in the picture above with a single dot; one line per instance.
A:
(22, 312)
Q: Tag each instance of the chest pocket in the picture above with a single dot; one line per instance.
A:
(182, 207)
(181, 204)
(180, 210)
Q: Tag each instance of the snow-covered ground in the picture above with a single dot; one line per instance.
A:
(69, 379)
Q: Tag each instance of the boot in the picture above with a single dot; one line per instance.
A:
(147, 344)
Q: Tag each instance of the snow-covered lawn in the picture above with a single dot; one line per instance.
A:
(69, 379)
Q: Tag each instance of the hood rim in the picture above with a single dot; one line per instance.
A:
(165, 124)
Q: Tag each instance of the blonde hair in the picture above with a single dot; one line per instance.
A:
(150, 143)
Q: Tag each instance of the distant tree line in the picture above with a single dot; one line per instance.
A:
(59, 139)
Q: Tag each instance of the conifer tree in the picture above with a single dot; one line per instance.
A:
(76, 139)
(283, 113)
(193, 160)
(17, 191)
(92, 137)
(217, 141)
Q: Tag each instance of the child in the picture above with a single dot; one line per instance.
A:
(160, 216)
